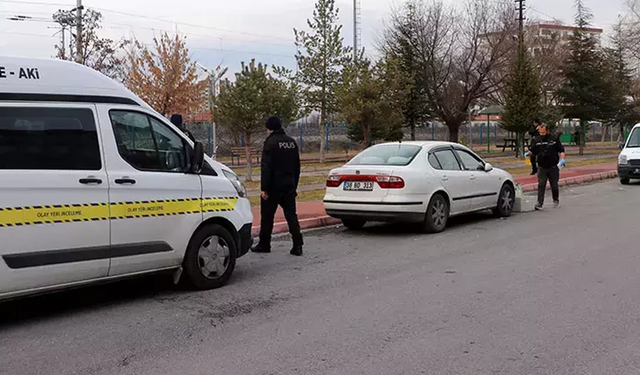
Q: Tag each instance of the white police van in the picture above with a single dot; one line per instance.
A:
(629, 158)
(96, 186)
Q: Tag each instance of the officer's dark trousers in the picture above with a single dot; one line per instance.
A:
(268, 210)
(553, 176)
(534, 166)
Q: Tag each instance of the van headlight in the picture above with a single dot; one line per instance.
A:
(235, 181)
(622, 159)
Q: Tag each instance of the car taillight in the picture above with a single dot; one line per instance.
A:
(390, 182)
(333, 181)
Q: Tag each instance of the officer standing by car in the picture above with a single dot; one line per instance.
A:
(533, 133)
(279, 181)
(549, 154)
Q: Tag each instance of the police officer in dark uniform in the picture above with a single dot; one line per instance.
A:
(279, 182)
(176, 120)
(549, 154)
(532, 158)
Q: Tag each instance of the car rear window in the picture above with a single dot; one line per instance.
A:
(397, 154)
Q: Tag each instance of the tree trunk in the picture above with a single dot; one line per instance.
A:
(582, 137)
(454, 131)
(605, 130)
(413, 131)
(247, 152)
(323, 135)
(366, 136)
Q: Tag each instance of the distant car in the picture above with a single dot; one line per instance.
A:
(629, 158)
(420, 182)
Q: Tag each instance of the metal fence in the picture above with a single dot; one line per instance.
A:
(307, 135)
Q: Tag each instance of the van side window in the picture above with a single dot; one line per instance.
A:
(147, 144)
(34, 138)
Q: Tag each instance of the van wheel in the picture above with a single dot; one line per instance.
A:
(353, 224)
(506, 200)
(624, 181)
(437, 215)
(210, 258)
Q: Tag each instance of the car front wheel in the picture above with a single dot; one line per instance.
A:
(506, 200)
(624, 181)
(353, 224)
(437, 214)
(210, 258)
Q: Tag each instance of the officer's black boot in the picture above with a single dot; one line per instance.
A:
(296, 250)
(297, 245)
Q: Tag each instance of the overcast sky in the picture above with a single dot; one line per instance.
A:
(230, 31)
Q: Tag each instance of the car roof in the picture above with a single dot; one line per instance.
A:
(423, 144)
(31, 77)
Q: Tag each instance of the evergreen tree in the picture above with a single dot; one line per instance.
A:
(522, 94)
(321, 57)
(587, 91)
(370, 100)
(245, 104)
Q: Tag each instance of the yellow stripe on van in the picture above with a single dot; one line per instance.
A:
(35, 215)
(53, 214)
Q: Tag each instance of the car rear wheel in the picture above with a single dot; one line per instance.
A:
(210, 258)
(435, 220)
(353, 224)
(624, 181)
(506, 200)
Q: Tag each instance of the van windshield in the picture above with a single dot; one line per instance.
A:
(396, 154)
(634, 139)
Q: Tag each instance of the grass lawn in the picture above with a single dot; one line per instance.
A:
(315, 195)
(305, 196)
(526, 169)
(304, 180)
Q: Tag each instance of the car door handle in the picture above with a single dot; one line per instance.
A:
(125, 181)
(90, 181)
(472, 177)
(445, 178)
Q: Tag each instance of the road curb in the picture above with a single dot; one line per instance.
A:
(314, 222)
(323, 221)
(569, 181)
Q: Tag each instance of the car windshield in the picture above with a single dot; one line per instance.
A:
(634, 139)
(396, 154)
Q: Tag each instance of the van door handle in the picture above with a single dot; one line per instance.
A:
(90, 181)
(125, 181)
(472, 177)
(445, 178)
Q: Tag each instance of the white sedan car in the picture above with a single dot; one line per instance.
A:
(422, 182)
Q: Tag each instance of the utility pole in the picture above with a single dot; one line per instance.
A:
(79, 52)
(356, 28)
(521, 47)
(521, 17)
(214, 78)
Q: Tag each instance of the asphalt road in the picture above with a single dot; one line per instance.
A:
(554, 292)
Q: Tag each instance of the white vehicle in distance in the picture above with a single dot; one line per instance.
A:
(420, 182)
(629, 158)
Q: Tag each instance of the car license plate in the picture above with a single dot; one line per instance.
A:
(358, 185)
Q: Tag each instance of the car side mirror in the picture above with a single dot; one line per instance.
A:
(488, 167)
(197, 158)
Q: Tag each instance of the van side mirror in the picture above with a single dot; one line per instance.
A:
(197, 158)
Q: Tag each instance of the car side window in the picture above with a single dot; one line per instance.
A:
(434, 161)
(147, 144)
(448, 160)
(45, 138)
(470, 162)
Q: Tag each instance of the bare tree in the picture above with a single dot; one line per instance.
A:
(102, 54)
(463, 52)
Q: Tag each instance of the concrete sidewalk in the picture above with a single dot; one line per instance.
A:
(312, 214)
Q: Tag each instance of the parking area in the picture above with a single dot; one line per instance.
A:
(539, 293)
